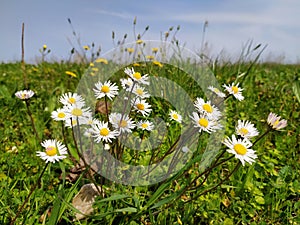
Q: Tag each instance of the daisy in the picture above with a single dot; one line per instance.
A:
(25, 94)
(127, 84)
(71, 99)
(235, 90)
(140, 92)
(106, 89)
(275, 122)
(246, 129)
(175, 116)
(101, 132)
(54, 151)
(217, 91)
(121, 122)
(137, 76)
(145, 125)
(241, 148)
(141, 106)
(60, 115)
(207, 109)
(204, 123)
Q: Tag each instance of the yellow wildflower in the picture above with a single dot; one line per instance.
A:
(71, 74)
(101, 60)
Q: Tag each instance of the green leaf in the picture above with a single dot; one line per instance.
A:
(296, 89)
(127, 209)
(260, 200)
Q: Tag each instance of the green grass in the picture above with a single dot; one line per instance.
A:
(265, 193)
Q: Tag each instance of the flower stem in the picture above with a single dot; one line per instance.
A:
(30, 193)
(260, 137)
(32, 121)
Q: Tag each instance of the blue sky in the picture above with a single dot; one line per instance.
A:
(231, 24)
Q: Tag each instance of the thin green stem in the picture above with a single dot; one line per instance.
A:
(32, 120)
(30, 193)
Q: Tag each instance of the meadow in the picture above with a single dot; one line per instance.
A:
(221, 191)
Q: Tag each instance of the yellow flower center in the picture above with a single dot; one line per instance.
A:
(140, 106)
(175, 116)
(144, 125)
(203, 122)
(139, 91)
(72, 100)
(137, 75)
(216, 90)
(276, 122)
(61, 115)
(23, 96)
(207, 108)
(240, 149)
(235, 89)
(77, 112)
(104, 131)
(243, 131)
(123, 123)
(105, 89)
(51, 151)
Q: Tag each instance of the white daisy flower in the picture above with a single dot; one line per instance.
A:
(140, 92)
(235, 90)
(207, 109)
(175, 116)
(127, 84)
(241, 148)
(71, 99)
(60, 115)
(137, 76)
(81, 114)
(121, 122)
(217, 91)
(246, 129)
(106, 89)
(275, 122)
(101, 132)
(24, 94)
(204, 123)
(145, 125)
(141, 106)
(54, 151)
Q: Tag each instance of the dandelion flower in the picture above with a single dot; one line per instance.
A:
(101, 60)
(175, 116)
(137, 76)
(71, 99)
(54, 151)
(106, 89)
(246, 129)
(70, 74)
(121, 122)
(235, 90)
(154, 50)
(207, 108)
(275, 122)
(139, 41)
(241, 148)
(130, 50)
(60, 115)
(25, 94)
(157, 63)
(86, 47)
(217, 91)
(145, 125)
(203, 123)
(101, 132)
(141, 106)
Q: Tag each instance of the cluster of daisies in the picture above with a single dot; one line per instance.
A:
(74, 112)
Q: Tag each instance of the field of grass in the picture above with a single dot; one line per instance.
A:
(266, 192)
